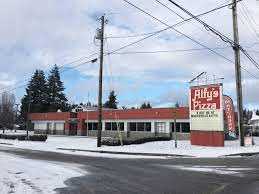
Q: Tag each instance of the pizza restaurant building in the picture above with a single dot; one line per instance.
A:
(130, 122)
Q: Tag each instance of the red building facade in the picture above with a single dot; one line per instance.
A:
(139, 122)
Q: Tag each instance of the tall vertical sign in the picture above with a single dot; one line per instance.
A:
(206, 115)
(230, 116)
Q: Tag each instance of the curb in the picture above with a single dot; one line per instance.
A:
(126, 153)
(243, 154)
(6, 144)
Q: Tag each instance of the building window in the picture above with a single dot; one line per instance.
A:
(185, 128)
(140, 126)
(133, 126)
(161, 127)
(177, 127)
(114, 126)
(147, 126)
(92, 126)
(108, 127)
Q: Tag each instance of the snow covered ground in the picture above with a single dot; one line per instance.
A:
(162, 147)
(23, 176)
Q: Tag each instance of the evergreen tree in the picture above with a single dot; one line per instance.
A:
(112, 101)
(57, 98)
(177, 105)
(36, 95)
(143, 106)
(146, 105)
(149, 105)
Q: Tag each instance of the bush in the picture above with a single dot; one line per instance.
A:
(116, 142)
(256, 133)
(21, 137)
(38, 137)
(6, 136)
(24, 137)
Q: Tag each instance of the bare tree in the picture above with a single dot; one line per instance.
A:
(7, 112)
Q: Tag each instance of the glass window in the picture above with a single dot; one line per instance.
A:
(132, 126)
(186, 127)
(108, 126)
(121, 126)
(114, 126)
(92, 126)
(140, 126)
(147, 126)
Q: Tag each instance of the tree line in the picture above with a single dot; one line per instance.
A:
(46, 94)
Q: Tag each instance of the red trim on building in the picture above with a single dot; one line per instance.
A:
(207, 138)
(128, 114)
(59, 116)
(131, 114)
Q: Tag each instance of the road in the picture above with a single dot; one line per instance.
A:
(165, 176)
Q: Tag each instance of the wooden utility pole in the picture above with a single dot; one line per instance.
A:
(100, 36)
(236, 49)
(16, 116)
(28, 116)
(175, 132)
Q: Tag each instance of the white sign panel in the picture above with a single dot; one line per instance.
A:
(206, 108)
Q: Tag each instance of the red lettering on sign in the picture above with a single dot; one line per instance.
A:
(205, 98)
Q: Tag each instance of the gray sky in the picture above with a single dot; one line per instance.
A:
(38, 34)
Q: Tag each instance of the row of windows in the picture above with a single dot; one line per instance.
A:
(140, 126)
(184, 127)
(160, 127)
(114, 126)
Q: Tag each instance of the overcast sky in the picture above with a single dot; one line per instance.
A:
(37, 34)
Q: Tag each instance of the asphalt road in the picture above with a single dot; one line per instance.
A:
(158, 176)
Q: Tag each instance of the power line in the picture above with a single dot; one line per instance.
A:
(130, 36)
(167, 51)
(252, 18)
(74, 67)
(164, 5)
(222, 36)
(170, 27)
(61, 66)
(181, 50)
(175, 25)
(249, 22)
(193, 17)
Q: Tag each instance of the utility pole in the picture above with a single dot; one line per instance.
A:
(236, 49)
(100, 36)
(175, 132)
(16, 116)
(28, 114)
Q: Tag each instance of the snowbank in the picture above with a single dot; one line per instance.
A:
(162, 147)
(21, 176)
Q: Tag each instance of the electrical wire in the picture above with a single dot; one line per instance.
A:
(193, 17)
(222, 36)
(178, 31)
(74, 67)
(175, 25)
(167, 51)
